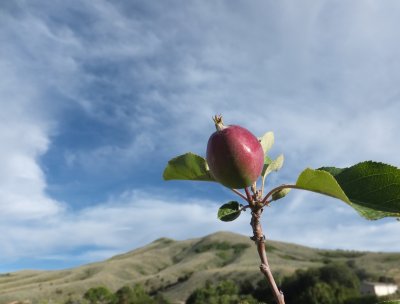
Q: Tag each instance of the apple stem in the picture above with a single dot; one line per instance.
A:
(249, 197)
(240, 194)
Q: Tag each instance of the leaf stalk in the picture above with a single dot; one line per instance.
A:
(279, 188)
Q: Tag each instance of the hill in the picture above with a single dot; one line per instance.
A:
(176, 268)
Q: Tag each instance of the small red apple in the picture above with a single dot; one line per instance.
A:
(234, 155)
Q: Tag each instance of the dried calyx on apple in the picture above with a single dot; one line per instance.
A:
(234, 155)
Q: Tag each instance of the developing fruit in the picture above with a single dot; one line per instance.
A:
(234, 155)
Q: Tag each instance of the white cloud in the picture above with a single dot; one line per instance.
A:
(23, 137)
(135, 218)
(328, 89)
(267, 65)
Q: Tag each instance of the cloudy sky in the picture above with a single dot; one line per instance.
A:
(97, 96)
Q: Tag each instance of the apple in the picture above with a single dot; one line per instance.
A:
(234, 155)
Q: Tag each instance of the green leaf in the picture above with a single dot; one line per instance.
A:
(266, 141)
(272, 165)
(390, 302)
(372, 188)
(321, 182)
(267, 161)
(280, 194)
(188, 166)
(229, 212)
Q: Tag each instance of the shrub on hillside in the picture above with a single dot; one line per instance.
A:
(226, 292)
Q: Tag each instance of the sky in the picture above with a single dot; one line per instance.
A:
(97, 96)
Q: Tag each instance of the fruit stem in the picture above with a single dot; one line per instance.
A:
(219, 123)
(249, 197)
(259, 239)
(240, 194)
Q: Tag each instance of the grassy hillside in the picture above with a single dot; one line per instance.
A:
(176, 268)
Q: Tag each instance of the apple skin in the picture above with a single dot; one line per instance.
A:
(235, 157)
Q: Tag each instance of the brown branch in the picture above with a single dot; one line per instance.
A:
(259, 239)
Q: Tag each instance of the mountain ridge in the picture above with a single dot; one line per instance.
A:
(175, 268)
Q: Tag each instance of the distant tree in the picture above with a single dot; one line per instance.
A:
(330, 284)
(99, 295)
(133, 295)
(200, 295)
(384, 279)
(321, 293)
(299, 282)
(341, 274)
(227, 288)
(140, 296)
(124, 295)
(226, 292)
(260, 291)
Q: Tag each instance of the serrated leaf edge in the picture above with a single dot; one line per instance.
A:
(378, 213)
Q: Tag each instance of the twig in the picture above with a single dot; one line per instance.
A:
(243, 208)
(259, 239)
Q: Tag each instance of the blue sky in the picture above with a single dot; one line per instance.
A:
(97, 96)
